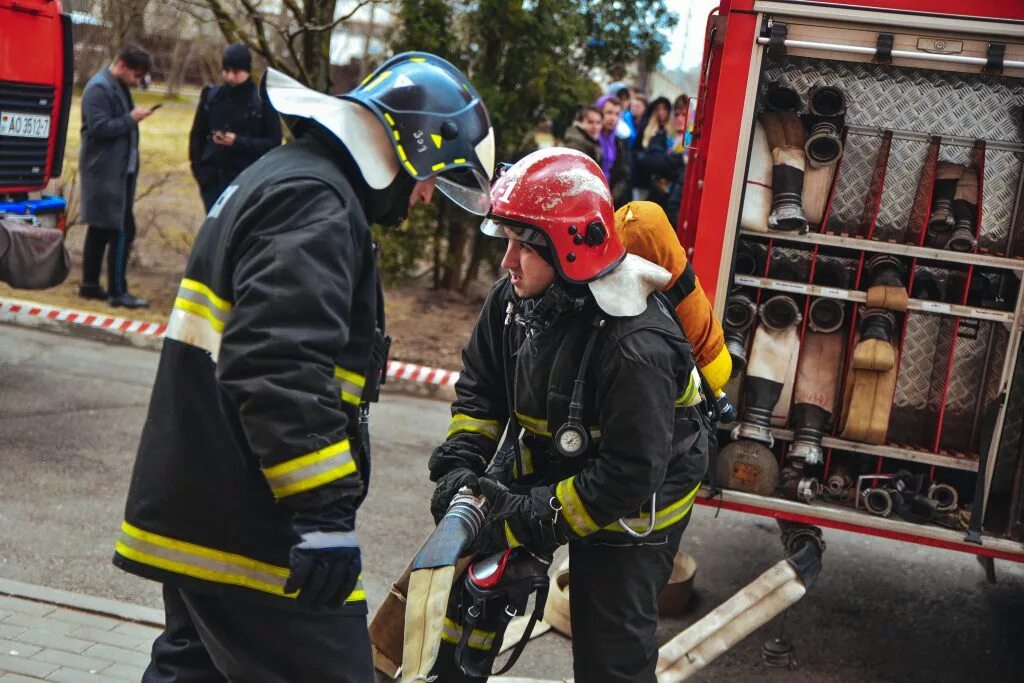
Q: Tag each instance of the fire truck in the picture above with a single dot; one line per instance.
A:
(853, 204)
(36, 74)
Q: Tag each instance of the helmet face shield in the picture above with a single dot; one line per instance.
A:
(495, 227)
(467, 188)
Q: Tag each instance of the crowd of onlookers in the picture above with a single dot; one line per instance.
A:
(639, 144)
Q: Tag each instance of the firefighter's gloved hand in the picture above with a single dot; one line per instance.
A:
(447, 486)
(325, 564)
(532, 520)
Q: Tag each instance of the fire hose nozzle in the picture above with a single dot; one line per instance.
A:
(877, 323)
(740, 312)
(827, 105)
(826, 315)
(780, 312)
(962, 239)
(945, 496)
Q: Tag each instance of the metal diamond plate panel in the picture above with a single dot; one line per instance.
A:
(1013, 430)
(906, 161)
(851, 194)
(912, 411)
(1002, 176)
(970, 383)
(973, 106)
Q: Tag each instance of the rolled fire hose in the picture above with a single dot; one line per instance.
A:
(786, 137)
(941, 221)
(965, 213)
(757, 193)
(430, 583)
(742, 614)
(817, 183)
(827, 106)
(776, 342)
(886, 283)
(817, 382)
(747, 464)
(750, 258)
(740, 312)
(928, 286)
(872, 379)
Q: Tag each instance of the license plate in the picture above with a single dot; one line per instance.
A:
(24, 125)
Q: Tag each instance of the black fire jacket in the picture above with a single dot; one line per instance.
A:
(255, 408)
(648, 435)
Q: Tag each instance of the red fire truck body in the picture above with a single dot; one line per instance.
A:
(36, 74)
(926, 82)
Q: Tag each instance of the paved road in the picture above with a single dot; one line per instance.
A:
(70, 415)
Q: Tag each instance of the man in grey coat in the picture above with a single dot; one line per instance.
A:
(108, 166)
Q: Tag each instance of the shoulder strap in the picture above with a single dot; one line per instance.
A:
(684, 285)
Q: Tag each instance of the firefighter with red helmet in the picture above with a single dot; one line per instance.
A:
(577, 354)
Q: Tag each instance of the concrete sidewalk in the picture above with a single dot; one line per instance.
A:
(52, 635)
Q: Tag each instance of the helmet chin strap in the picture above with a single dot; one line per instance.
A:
(352, 124)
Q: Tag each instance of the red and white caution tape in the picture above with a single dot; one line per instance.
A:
(422, 374)
(16, 307)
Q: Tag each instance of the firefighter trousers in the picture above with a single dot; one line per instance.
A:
(210, 638)
(614, 627)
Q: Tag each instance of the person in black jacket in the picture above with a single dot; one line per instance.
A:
(659, 166)
(233, 127)
(255, 455)
(617, 480)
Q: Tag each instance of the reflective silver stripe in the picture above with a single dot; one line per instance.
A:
(195, 295)
(205, 563)
(330, 539)
(311, 470)
(194, 330)
(352, 384)
(208, 568)
(691, 395)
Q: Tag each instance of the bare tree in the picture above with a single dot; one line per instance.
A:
(127, 21)
(296, 39)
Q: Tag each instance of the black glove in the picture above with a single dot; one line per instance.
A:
(447, 486)
(532, 519)
(326, 563)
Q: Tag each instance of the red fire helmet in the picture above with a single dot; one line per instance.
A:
(558, 198)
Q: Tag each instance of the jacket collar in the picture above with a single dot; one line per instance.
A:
(556, 303)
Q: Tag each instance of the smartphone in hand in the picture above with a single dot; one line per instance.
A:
(156, 106)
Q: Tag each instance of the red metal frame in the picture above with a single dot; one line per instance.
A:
(703, 220)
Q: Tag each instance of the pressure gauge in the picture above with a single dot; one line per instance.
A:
(571, 440)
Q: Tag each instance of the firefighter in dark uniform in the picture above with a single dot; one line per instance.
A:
(234, 126)
(611, 465)
(255, 456)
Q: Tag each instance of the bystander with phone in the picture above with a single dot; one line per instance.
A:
(234, 126)
(108, 167)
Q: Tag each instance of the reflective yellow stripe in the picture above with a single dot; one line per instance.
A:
(478, 640)
(691, 395)
(663, 518)
(438, 166)
(575, 513)
(377, 81)
(464, 423)
(459, 161)
(390, 120)
(311, 470)
(718, 371)
(412, 169)
(189, 559)
(200, 288)
(533, 425)
(351, 385)
(510, 537)
(401, 153)
(201, 311)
